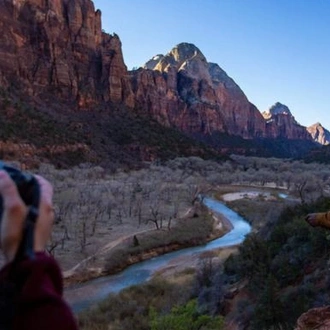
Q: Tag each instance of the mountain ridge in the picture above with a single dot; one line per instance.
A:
(58, 51)
(239, 116)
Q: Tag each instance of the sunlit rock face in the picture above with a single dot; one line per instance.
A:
(153, 62)
(319, 134)
(194, 95)
(277, 109)
(280, 123)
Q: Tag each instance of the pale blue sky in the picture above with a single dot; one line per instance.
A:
(275, 50)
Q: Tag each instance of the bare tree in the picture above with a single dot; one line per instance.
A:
(300, 182)
(155, 216)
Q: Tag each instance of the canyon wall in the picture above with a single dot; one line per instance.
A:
(58, 49)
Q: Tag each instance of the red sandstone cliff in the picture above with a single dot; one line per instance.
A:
(57, 48)
(184, 90)
(281, 123)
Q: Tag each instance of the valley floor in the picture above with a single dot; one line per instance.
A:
(94, 265)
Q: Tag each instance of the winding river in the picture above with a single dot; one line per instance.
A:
(87, 294)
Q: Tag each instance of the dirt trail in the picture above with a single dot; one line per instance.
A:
(105, 250)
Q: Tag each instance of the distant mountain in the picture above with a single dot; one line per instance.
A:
(281, 123)
(319, 134)
(277, 109)
(182, 89)
(280, 120)
(56, 58)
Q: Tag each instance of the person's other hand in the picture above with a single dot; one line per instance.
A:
(15, 211)
(311, 218)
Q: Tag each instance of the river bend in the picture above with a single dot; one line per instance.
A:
(89, 293)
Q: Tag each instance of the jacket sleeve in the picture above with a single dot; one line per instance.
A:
(39, 303)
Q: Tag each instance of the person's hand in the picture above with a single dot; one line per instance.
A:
(321, 219)
(311, 218)
(15, 211)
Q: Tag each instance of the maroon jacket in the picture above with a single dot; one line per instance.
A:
(38, 302)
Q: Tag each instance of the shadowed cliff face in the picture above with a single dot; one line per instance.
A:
(57, 46)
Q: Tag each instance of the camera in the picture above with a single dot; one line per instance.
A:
(29, 190)
(27, 186)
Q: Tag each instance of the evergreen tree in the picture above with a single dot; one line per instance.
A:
(269, 310)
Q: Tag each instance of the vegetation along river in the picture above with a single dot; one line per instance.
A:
(87, 294)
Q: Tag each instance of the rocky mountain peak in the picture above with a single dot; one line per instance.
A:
(186, 51)
(319, 133)
(187, 59)
(179, 57)
(281, 123)
(277, 109)
(206, 99)
(317, 125)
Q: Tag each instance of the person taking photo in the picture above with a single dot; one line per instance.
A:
(31, 289)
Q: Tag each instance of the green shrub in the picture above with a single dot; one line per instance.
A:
(295, 254)
(130, 309)
(184, 317)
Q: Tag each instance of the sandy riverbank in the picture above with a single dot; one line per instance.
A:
(247, 194)
(93, 266)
